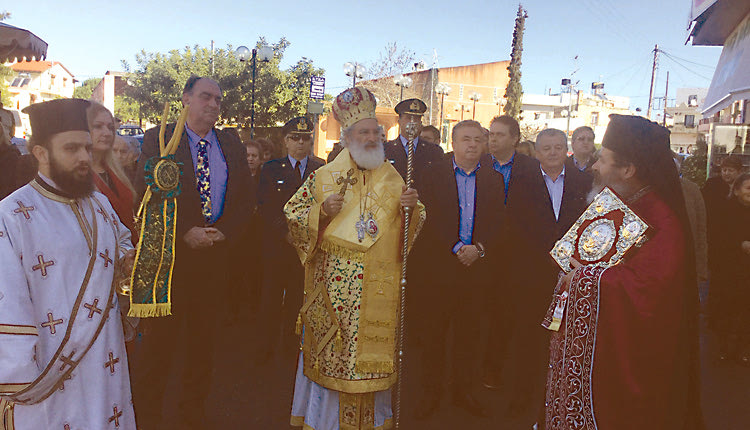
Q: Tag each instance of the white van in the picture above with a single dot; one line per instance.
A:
(23, 126)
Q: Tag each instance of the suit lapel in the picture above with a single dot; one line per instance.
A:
(546, 202)
(184, 155)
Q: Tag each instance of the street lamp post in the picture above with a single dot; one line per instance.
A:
(355, 70)
(403, 82)
(474, 97)
(443, 90)
(500, 102)
(265, 53)
(569, 83)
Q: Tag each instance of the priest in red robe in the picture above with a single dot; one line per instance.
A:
(626, 355)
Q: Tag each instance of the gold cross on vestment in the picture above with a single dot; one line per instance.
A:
(67, 361)
(105, 256)
(111, 363)
(380, 279)
(104, 214)
(51, 323)
(92, 308)
(67, 377)
(116, 417)
(42, 266)
(23, 209)
(346, 182)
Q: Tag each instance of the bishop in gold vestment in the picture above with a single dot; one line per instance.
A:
(346, 222)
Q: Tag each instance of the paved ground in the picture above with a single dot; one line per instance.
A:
(252, 396)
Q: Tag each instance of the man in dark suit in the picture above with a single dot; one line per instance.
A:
(462, 241)
(283, 274)
(583, 147)
(213, 207)
(504, 135)
(553, 197)
(425, 153)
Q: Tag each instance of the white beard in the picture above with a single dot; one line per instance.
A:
(367, 159)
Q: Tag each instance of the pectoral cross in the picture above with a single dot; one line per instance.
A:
(345, 182)
(361, 226)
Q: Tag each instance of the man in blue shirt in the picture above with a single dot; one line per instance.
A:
(213, 209)
(461, 240)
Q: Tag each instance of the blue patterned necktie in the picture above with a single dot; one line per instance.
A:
(202, 177)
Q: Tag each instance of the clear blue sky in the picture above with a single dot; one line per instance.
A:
(613, 39)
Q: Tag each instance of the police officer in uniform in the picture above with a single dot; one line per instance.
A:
(283, 273)
(425, 153)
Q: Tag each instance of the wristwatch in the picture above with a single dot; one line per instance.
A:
(480, 248)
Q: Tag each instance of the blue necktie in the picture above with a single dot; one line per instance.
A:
(203, 175)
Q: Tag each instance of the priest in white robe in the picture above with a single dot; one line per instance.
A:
(63, 364)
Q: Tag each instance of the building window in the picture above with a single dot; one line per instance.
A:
(594, 118)
(690, 121)
(20, 82)
(693, 100)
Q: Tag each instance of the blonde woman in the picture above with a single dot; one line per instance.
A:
(109, 177)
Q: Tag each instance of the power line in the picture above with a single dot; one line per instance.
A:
(687, 61)
(685, 67)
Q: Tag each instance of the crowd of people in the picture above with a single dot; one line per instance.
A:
(315, 249)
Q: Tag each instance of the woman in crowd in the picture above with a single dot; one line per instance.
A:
(730, 290)
(254, 158)
(109, 177)
(126, 153)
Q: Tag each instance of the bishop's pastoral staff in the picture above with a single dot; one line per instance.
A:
(346, 222)
(626, 355)
(62, 356)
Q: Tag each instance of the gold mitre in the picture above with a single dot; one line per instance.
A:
(354, 105)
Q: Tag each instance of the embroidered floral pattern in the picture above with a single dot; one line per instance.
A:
(569, 402)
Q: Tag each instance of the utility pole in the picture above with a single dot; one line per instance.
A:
(666, 94)
(653, 78)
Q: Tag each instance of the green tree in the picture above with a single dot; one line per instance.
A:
(279, 94)
(6, 73)
(126, 109)
(86, 89)
(514, 91)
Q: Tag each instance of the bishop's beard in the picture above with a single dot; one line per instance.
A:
(69, 182)
(369, 159)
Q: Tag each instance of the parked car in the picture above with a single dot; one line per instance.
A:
(131, 131)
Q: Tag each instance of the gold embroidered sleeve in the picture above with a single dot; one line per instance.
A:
(302, 213)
